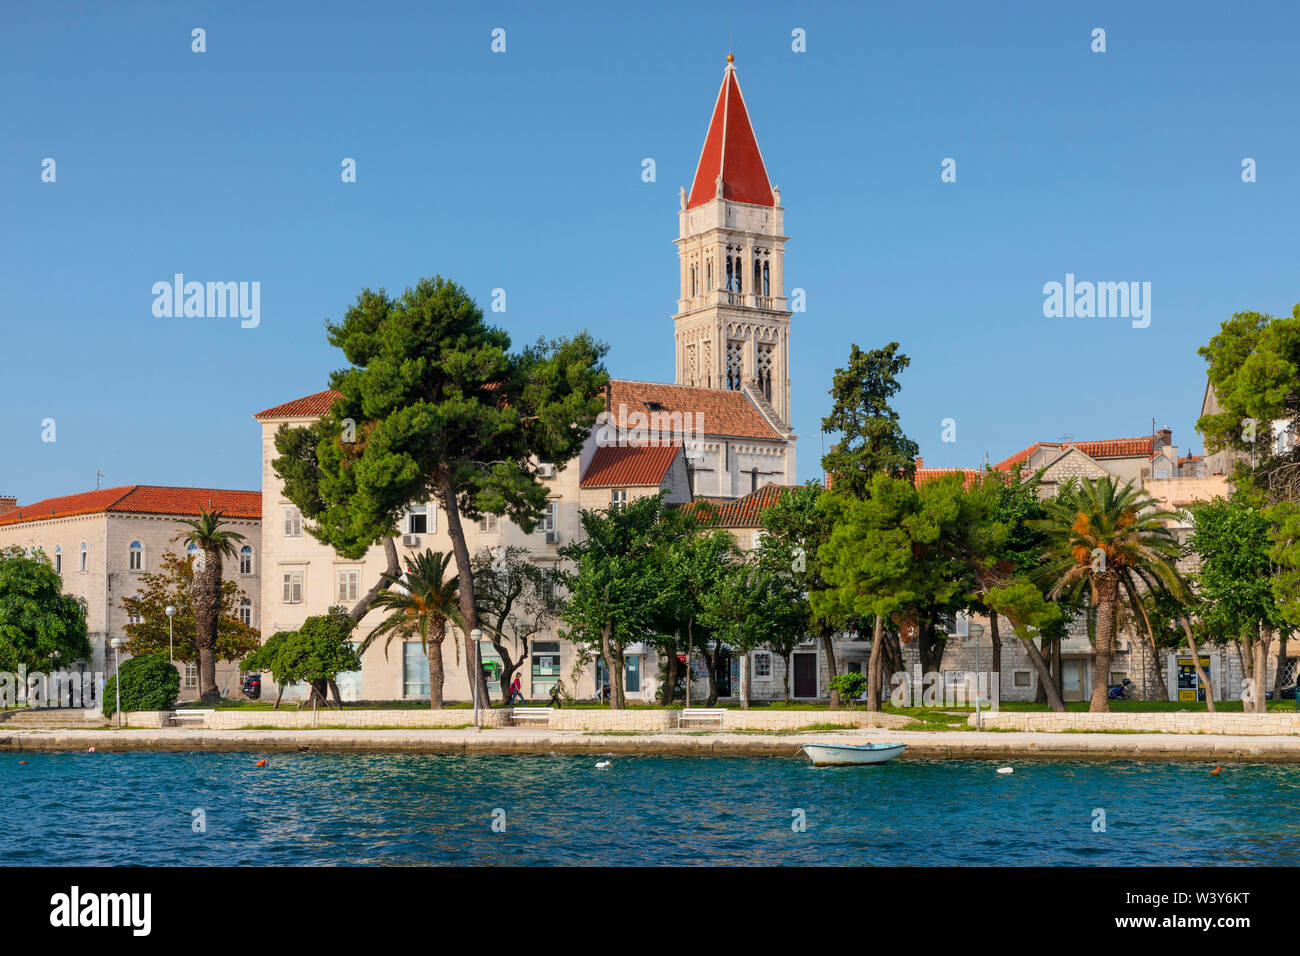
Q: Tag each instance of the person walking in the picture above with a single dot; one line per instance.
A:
(516, 692)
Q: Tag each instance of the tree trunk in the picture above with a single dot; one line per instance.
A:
(334, 689)
(670, 676)
(607, 653)
(710, 672)
(1196, 663)
(1260, 676)
(828, 648)
(873, 664)
(995, 685)
(789, 658)
(206, 595)
(1107, 597)
(617, 697)
(744, 680)
(433, 649)
(279, 692)
(393, 570)
(465, 575)
(1051, 694)
(690, 654)
(1281, 666)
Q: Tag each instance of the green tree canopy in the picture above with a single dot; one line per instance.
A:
(870, 437)
(41, 628)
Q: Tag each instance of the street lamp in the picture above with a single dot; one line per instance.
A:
(976, 631)
(170, 611)
(476, 636)
(116, 644)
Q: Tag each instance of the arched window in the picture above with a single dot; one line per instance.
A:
(83, 556)
(246, 560)
(136, 556)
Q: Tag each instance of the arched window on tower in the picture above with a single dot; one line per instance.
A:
(767, 279)
(731, 282)
(740, 272)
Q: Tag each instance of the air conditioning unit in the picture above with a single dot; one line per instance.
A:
(545, 470)
(411, 540)
(553, 536)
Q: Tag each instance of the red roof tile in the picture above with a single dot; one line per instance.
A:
(141, 499)
(312, 406)
(731, 150)
(1106, 448)
(746, 512)
(971, 475)
(720, 412)
(615, 466)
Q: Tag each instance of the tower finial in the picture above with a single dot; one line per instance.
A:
(730, 58)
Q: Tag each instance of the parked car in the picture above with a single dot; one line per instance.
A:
(253, 686)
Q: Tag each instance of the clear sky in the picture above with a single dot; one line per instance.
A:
(522, 170)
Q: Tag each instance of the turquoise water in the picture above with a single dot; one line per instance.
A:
(136, 808)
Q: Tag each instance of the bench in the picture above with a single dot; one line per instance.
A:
(539, 714)
(189, 716)
(703, 713)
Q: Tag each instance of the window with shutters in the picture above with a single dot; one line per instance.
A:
(292, 522)
(349, 585)
(292, 587)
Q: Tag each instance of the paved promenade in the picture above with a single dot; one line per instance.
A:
(954, 745)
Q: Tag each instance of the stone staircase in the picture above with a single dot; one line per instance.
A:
(53, 718)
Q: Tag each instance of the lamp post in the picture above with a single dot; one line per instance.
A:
(116, 644)
(476, 635)
(170, 611)
(976, 631)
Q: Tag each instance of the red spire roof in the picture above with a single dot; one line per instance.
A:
(731, 151)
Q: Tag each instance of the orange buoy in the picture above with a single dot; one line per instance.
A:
(1216, 770)
(260, 763)
(22, 761)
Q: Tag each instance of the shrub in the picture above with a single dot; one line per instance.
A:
(850, 686)
(149, 682)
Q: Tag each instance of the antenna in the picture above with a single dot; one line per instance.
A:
(98, 475)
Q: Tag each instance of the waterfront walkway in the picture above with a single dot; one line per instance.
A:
(952, 745)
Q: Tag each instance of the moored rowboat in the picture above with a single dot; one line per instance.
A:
(829, 755)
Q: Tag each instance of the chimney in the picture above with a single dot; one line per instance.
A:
(1164, 438)
(8, 504)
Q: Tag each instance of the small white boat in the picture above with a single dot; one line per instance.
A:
(830, 755)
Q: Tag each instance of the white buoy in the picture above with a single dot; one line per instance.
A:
(603, 764)
(1006, 770)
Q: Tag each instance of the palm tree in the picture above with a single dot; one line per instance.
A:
(1101, 536)
(213, 543)
(420, 603)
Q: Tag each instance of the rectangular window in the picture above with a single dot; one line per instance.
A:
(191, 674)
(292, 522)
(293, 587)
(415, 670)
(83, 559)
(762, 666)
(618, 496)
(246, 614)
(1022, 678)
(349, 585)
(487, 524)
(417, 519)
(632, 674)
(58, 564)
(548, 519)
(137, 559)
(546, 586)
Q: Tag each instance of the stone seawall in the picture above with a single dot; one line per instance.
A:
(1188, 722)
(959, 745)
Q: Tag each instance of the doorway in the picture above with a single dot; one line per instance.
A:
(1073, 670)
(805, 675)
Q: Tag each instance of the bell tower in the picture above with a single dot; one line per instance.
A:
(732, 327)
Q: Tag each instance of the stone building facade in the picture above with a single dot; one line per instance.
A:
(101, 542)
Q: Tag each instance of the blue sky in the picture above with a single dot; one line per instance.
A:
(522, 171)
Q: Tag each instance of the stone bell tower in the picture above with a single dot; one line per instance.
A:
(732, 326)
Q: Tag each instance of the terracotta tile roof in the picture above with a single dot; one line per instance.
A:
(140, 499)
(971, 475)
(309, 407)
(746, 512)
(1106, 448)
(720, 412)
(731, 151)
(615, 466)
